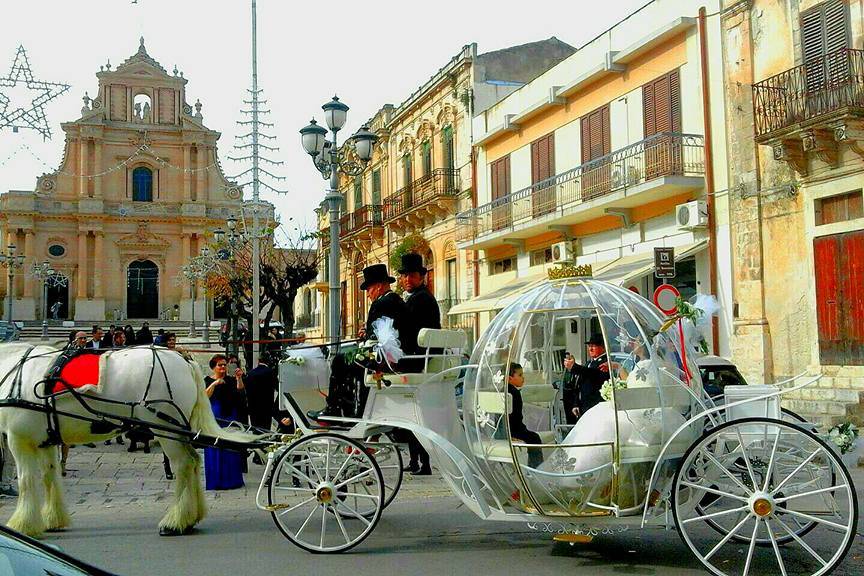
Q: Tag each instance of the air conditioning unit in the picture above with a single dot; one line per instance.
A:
(563, 252)
(691, 215)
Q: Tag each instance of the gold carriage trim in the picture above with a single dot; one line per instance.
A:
(569, 271)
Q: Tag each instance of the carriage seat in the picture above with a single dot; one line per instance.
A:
(440, 348)
(494, 405)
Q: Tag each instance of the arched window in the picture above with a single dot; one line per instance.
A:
(142, 184)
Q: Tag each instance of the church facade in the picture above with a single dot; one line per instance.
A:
(139, 192)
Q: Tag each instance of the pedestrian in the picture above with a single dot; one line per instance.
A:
(144, 336)
(159, 340)
(55, 310)
(97, 338)
(129, 332)
(119, 339)
(108, 337)
(261, 384)
(223, 469)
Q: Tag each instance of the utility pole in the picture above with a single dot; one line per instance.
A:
(252, 142)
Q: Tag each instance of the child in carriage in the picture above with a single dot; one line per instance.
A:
(518, 430)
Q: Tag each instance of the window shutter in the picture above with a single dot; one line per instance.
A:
(427, 158)
(376, 187)
(649, 120)
(542, 159)
(358, 192)
(586, 139)
(447, 140)
(836, 25)
(675, 100)
(406, 169)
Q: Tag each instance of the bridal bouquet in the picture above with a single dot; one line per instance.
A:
(609, 385)
(296, 360)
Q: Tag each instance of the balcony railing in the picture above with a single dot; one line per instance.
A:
(663, 154)
(806, 92)
(361, 218)
(442, 182)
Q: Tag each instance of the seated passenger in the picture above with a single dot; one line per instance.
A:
(582, 383)
(518, 430)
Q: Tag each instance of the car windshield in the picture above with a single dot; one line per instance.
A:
(18, 558)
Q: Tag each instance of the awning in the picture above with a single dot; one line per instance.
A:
(499, 298)
(625, 270)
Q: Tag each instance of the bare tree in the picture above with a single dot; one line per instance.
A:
(284, 270)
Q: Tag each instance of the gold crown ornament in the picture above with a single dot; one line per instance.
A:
(569, 271)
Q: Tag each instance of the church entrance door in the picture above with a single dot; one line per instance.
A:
(142, 290)
(58, 300)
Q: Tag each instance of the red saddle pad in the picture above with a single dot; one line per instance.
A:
(79, 371)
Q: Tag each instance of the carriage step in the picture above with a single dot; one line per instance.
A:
(573, 538)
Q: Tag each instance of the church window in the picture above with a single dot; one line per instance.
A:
(142, 184)
(56, 250)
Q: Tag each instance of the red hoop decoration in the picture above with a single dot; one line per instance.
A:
(662, 299)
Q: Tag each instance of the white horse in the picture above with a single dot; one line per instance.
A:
(132, 378)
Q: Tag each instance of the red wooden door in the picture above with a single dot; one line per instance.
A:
(839, 265)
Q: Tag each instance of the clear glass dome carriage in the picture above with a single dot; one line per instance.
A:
(603, 463)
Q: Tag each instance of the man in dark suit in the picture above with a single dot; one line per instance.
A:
(96, 338)
(424, 313)
(582, 383)
(261, 384)
(385, 302)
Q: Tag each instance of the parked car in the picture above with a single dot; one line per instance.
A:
(23, 556)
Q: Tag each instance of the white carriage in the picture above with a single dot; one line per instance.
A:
(748, 491)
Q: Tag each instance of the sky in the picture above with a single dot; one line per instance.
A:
(369, 53)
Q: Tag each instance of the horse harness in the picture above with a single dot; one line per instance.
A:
(101, 423)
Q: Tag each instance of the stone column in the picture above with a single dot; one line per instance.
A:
(98, 266)
(187, 176)
(201, 175)
(97, 167)
(82, 166)
(29, 259)
(81, 292)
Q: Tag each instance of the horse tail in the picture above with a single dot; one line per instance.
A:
(202, 419)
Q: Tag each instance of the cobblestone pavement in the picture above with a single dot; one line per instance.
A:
(106, 478)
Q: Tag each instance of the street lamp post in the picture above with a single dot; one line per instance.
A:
(233, 241)
(11, 261)
(330, 161)
(197, 268)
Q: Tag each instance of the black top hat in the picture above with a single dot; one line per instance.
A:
(374, 274)
(597, 340)
(412, 262)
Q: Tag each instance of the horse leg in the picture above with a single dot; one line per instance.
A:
(54, 508)
(27, 518)
(189, 506)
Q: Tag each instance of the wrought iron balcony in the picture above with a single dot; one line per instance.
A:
(659, 156)
(426, 192)
(361, 220)
(824, 88)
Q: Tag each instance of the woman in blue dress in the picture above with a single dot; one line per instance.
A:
(223, 469)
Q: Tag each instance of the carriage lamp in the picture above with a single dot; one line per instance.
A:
(330, 160)
(11, 261)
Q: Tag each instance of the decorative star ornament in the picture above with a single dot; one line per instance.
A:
(32, 117)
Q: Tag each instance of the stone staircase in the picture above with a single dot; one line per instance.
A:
(837, 397)
(57, 331)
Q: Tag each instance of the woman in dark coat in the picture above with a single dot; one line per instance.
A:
(223, 469)
(130, 335)
(144, 336)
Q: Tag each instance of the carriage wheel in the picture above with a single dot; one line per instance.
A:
(389, 458)
(770, 482)
(326, 493)
(724, 524)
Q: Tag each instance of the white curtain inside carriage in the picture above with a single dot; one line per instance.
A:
(605, 460)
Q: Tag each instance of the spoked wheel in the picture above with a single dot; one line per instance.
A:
(389, 458)
(750, 486)
(326, 493)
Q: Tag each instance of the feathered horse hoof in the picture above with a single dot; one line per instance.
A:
(168, 531)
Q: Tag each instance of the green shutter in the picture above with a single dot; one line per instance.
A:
(427, 158)
(376, 187)
(447, 143)
(358, 192)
